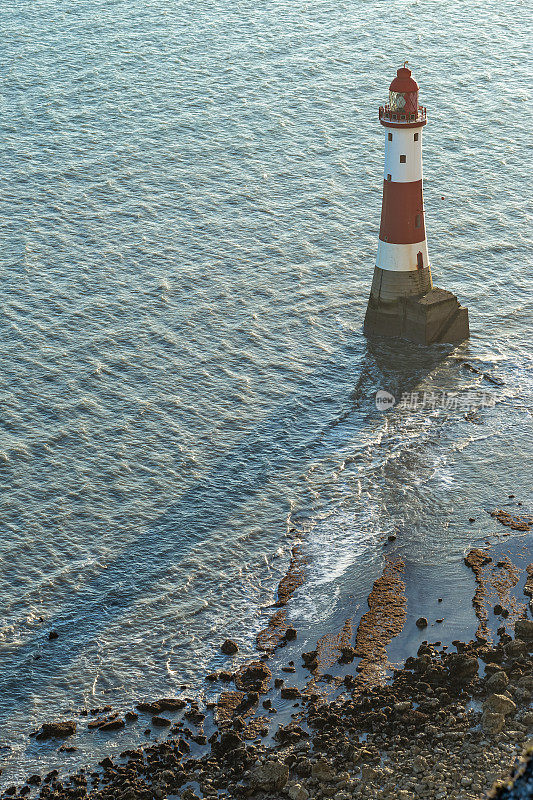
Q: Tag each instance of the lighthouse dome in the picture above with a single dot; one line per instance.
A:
(403, 82)
(403, 95)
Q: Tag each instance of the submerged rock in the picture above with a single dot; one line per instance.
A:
(161, 722)
(57, 729)
(290, 693)
(229, 647)
(112, 725)
(164, 704)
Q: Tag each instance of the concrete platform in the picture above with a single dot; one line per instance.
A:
(433, 317)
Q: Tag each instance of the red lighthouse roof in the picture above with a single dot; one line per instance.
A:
(403, 81)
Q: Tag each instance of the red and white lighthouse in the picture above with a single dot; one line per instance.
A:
(402, 277)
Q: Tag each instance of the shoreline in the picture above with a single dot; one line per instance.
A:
(303, 712)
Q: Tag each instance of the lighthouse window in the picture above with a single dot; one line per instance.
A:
(416, 137)
(418, 220)
(390, 137)
(403, 159)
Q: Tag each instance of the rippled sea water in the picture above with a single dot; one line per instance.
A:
(190, 207)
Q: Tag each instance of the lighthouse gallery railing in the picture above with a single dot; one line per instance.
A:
(385, 112)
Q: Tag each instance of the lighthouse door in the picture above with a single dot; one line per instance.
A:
(419, 260)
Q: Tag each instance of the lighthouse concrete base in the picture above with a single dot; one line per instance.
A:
(435, 317)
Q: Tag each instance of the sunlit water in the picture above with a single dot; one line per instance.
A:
(190, 206)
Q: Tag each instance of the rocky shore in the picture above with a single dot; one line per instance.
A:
(450, 724)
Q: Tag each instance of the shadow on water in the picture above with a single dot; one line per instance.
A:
(288, 435)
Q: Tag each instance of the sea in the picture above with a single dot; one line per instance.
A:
(190, 205)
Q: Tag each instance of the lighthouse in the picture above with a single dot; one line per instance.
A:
(403, 301)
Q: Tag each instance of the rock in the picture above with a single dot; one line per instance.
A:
(112, 725)
(347, 655)
(291, 634)
(523, 629)
(271, 776)
(149, 708)
(492, 723)
(253, 677)
(197, 717)
(171, 703)
(477, 558)
(405, 705)
(421, 622)
(131, 716)
(161, 722)
(499, 704)
(370, 774)
(229, 741)
(57, 729)
(96, 723)
(310, 659)
(461, 667)
(420, 764)
(498, 609)
(53, 635)
(290, 693)
(164, 704)
(229, 647)
(515, 649)
(322, 770)
(188, 794)
(522, 695)
(287, 734)
(298, 792)
(497, 682)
